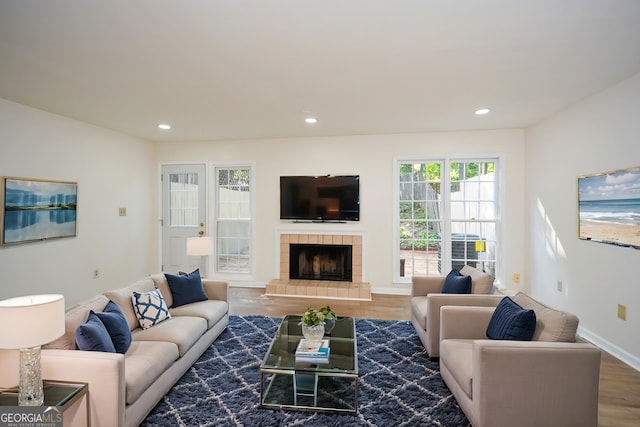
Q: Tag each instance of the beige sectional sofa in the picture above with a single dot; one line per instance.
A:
(124, 388)
(548, 381)
(427, 300)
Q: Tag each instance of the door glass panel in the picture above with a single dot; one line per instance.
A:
(183, 199)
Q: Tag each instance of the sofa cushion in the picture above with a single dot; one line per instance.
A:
(182, 331)
(210, 310)
(150, 308)
(93, 336)
(116, 325)
(481, 282)
(456, 283)
(552, 325)
(73, 318)
(122, 297)
(511, 322)
(144, 362)
(160, 282)
(186, 288)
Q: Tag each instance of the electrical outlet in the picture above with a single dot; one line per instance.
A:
(622, 311)
(96, 273)
(516, 278)
(559, 285)
(122, 211)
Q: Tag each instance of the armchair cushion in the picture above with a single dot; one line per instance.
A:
(511, 322)
(482, 283)
(552, 324)
(456, 283)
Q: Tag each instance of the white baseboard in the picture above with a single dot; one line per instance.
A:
(610, 348)
(391, 291)
(239, 284)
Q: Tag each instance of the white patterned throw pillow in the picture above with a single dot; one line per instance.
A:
(150, 308)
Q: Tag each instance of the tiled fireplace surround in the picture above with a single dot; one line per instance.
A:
(355, 289)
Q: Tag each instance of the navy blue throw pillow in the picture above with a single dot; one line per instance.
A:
(511, 322)
(186, 288)
(456, 283)
(93, 336)
(117, 326)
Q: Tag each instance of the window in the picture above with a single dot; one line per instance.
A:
(233, 220)
(447, 212)
(183, 199)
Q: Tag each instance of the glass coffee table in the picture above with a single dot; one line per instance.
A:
(331, 387)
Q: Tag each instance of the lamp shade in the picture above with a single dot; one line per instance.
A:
(31, 321)
(199, 246)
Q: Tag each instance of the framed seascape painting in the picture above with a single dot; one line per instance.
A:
(34, 210)
(609, 207)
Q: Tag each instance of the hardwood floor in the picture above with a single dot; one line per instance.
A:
(619, 398)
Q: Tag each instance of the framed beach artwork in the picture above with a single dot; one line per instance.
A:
(609, 207)
(35, 210)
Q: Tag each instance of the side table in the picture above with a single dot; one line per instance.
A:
(62, 394)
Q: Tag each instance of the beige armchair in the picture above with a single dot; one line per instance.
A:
(500, 383)
(427, 300)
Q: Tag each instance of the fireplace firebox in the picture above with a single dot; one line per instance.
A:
(320, 262)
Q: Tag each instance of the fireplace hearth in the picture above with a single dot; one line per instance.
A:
(320, 262)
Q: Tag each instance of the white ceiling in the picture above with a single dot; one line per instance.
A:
(236, 69)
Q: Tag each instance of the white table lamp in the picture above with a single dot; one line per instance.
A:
(26, 323)
(200, 246)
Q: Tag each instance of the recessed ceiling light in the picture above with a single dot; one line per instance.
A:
(311, 120)
(164, 126)
(482, 111)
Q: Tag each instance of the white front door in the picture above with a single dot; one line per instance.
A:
(183, 215)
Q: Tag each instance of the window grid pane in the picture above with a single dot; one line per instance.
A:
(183, 199)
(473, 194)
(233, 237)
(420, 224)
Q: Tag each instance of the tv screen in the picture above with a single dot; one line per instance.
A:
(320, 198)
(609, 207)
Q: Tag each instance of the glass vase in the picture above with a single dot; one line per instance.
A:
(315, 332)
(329, 324)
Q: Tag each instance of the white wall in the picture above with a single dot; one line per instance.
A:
(599, 134)
(112, 171)
(372, 158)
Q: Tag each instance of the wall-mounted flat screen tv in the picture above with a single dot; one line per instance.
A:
(320, 198)
(609, 207)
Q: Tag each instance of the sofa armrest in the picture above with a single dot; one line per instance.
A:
(215, 289)
(103, 372)
(423, 285)
(464, 322)
(547, 383)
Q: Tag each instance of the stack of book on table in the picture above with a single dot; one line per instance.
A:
(313, 351)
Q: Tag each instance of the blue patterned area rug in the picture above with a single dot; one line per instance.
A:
(399, 385)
